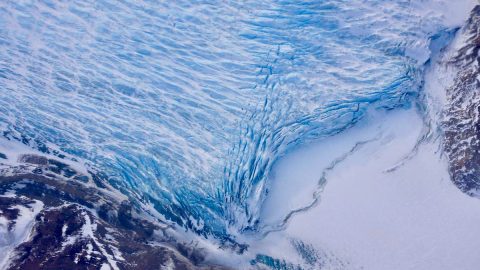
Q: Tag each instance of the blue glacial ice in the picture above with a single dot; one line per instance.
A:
(188, 105)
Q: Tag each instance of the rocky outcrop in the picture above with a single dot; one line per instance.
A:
(54, 217)
(462, 117)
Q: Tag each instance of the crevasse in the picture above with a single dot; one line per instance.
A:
(187, 105)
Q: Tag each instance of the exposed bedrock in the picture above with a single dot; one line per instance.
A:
(53, 217)
(462, 121)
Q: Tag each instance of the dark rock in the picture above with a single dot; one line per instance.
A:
(462, 123)
(34, 159)
(81, 227)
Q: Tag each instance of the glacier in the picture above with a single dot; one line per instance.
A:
(279, 134)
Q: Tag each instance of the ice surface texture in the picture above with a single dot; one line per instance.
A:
(188, 104)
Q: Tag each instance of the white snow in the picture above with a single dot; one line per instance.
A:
(20, 232)
(168, 265)
(454, 14)
(301, 171)
(87, 232)
(64, 229)
(105, 266)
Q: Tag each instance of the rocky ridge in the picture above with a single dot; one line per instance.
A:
(462, 114)
(54, 216)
